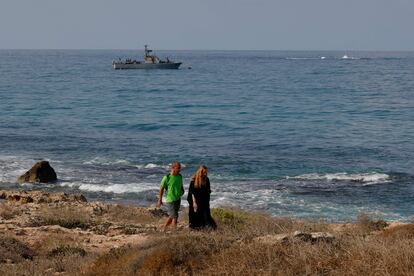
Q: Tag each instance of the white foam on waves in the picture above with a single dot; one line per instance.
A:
(106, 161)
(153, 166)
(123, 162)
(111, 188)
(11, 167)
(348, 57)
(366, 178)
(157, 166)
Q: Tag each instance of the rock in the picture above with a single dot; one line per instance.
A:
(20, 232)
(157, 212)
(23, 197)
(272, 239)
(78, 198)
(314, 236)
(322, 237)
(302, 236)
(41, 172)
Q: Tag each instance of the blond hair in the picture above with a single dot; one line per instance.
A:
(200, 177)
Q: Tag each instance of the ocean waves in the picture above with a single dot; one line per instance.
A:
(289, 132)
(310, 195)
(104, 161)
(364, 178)
(116, 188)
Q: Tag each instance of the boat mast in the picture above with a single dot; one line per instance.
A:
(147, 56)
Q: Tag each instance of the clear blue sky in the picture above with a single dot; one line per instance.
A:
(208, 24)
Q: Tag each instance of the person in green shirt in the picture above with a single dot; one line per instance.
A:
(173, 184)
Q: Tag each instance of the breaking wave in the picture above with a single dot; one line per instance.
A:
(102, 161)
(111, 188)
(11, 167)
(106, 161)
(366, 178)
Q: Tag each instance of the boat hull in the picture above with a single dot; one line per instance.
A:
(122, 65)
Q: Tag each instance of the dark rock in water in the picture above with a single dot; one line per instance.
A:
(41, 172)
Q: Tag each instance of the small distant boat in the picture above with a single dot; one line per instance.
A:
(150, 62)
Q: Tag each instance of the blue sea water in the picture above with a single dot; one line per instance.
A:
(302, 134)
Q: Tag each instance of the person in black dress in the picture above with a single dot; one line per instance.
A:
(199, 201)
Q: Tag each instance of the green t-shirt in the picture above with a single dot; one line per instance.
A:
(174, 187)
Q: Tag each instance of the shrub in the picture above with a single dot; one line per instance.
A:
(65, 217)
(399, 232)
(176, 254)
(66, 250)
(14, 250)
(368, 224)
(129, 214)
(230, 217)
(8, 212)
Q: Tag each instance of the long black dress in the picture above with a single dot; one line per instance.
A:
(202, 217)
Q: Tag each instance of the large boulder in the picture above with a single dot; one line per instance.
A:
(41, 172)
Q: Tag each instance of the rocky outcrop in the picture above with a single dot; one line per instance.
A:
(273, 239)
(41, 172)
(313, 237)
(23, 197)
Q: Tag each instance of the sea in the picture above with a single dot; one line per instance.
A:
(321, 135)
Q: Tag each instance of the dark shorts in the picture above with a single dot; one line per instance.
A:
(173, 208)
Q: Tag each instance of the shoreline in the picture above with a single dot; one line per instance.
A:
(112, 198)
(64, 233)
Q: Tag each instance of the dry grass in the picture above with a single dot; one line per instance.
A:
(14, 251)
(55, 253)
(232, 250)
(366, 249)
(247, 225)
(162, 256)
(129, 214)
(215, 254)
(49, 241)
(400, 232)
(8, 212)
(68, 217)
(367, 224)
(131, 220)
(65, 265)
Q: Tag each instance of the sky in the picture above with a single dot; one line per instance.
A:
(208, 24)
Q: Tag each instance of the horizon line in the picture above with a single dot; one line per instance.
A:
(206, 50)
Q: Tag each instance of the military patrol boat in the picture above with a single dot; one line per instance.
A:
(150, 62)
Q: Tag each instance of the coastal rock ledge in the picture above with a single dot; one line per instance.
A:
(39, 197)
(41, 172)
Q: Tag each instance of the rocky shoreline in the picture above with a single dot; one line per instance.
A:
(56, 233)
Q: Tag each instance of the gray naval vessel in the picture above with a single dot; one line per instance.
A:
(150, 62)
